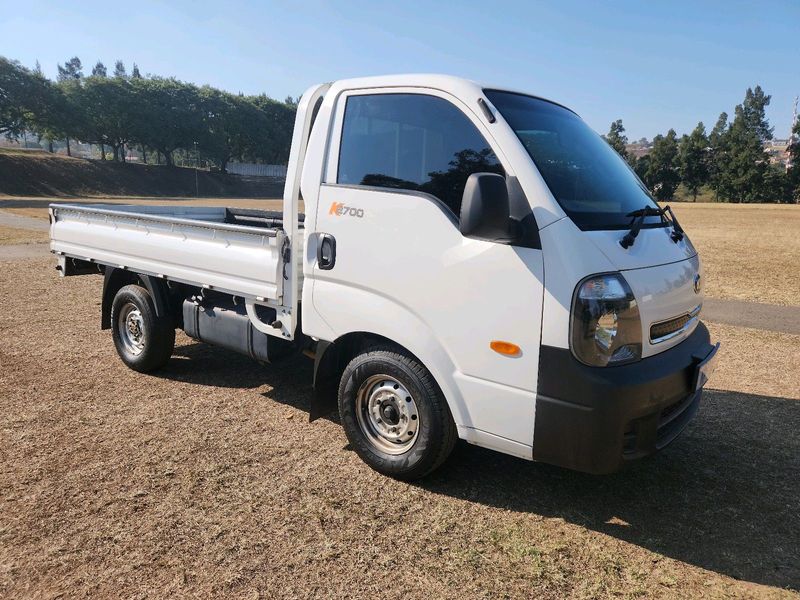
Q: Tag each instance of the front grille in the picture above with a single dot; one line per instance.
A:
(664, 330)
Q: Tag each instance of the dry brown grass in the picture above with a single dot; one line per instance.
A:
(12, 235)
(757, 361)
(749, 251)
(207, 480)
(36, 213)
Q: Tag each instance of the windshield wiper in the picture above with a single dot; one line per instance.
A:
(648, 211)
(677, 231)
(638, 220)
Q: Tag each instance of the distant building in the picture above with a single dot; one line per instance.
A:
(639, 148)
(778, 151)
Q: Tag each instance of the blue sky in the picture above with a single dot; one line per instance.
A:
(655, 65)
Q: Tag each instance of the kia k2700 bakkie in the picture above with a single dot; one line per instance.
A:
(471, 263)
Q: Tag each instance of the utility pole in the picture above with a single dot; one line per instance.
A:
(196, 166)
(793, 138)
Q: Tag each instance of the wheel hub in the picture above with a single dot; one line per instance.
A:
(130, 326)
(387, 414)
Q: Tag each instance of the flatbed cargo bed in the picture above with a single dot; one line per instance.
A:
(233, 250)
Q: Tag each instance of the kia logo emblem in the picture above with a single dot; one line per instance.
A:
(697, 284)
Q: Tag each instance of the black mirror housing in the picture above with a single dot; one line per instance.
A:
(485, 211)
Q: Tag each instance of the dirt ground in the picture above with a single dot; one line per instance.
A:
(207, 480)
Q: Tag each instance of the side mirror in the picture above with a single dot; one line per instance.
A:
(485, 209)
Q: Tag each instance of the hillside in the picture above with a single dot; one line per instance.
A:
(36, 173)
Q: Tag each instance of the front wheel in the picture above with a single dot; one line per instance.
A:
(143, 340)
(394, 414)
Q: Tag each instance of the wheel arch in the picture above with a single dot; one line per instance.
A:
(331, 358)
(115, 279)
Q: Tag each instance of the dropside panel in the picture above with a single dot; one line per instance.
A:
(235, 259)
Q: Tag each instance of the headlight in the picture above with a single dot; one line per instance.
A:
(606, 328)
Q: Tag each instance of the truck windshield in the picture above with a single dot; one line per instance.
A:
(591, 182)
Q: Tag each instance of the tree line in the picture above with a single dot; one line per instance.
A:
(159, 116)
(730, 160)
(162, 117)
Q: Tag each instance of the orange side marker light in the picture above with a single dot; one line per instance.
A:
(505, 348)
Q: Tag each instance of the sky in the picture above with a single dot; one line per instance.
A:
(655, 65)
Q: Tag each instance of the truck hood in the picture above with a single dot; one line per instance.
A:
(652, 247)
(666, 279)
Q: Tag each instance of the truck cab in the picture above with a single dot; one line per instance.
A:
(471, 263)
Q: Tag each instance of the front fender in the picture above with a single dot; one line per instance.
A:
(384, 317)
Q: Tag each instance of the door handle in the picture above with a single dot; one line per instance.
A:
(326, 251)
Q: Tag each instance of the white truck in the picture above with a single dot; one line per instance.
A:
(472, 263)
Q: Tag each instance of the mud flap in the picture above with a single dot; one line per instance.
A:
(327, 371)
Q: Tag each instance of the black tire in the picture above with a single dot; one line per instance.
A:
(435, 433)
(152, 347)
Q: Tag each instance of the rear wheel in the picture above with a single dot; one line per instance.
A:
(394, 414)
(143, 340)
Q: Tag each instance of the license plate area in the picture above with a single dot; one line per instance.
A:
(705, 368)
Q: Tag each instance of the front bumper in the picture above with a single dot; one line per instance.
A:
(594, 419)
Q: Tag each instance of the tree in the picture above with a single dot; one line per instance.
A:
(23, 96)
(271, 141)
(14, 83)
(99, 70)
(744, 170)
(641, 165)
(692, 155)
(119, 70)
(57, 118)
(135, 72)
(72, 69)
(717, 156)
(662, 175)
(228, 120)
(166, 115)
(616, 138)
(108, 106)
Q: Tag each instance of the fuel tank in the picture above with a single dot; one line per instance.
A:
(223, 323)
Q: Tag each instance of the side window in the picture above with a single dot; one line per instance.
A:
(412, 142)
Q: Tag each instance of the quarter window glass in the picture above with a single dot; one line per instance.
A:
(412, 142)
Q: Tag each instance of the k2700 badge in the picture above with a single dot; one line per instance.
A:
(340, 210)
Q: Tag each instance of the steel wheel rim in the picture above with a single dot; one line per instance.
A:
(130, 326)
(387, 414)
